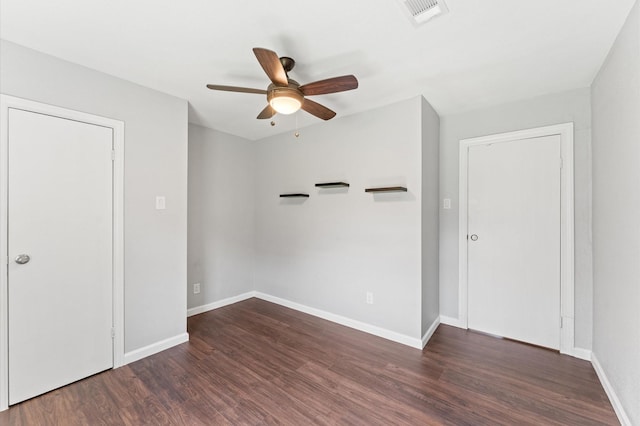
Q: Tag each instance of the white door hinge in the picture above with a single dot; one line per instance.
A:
(113, 333)
(561, 163)
(113, 155)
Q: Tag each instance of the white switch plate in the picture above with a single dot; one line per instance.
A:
(447, 203)
(161, 203)
(196, 288)
(369, 298)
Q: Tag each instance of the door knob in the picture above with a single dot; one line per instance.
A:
(21, 259)
(474, 237)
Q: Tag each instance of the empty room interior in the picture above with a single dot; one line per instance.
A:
(366, 212)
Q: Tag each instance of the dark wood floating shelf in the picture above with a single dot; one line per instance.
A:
(332, 185)
(294, 195)
(387, 189)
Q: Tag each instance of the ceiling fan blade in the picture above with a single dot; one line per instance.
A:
(236, 89)
(267, 112)
(271, 65)
(330, 85)
(318, 110)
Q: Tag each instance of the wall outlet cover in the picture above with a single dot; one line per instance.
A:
(161, 203)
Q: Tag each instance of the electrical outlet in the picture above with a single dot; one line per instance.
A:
(196, 288)
(369, 298)
(161, 202)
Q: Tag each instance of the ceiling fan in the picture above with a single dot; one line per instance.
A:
(287, 96)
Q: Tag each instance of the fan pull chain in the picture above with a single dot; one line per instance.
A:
(297, 133)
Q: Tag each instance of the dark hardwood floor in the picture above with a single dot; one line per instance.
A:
(259, 363)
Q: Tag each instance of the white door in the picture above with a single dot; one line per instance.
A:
(60, 215)
(514, 239)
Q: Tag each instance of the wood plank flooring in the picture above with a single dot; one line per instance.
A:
(258, 363)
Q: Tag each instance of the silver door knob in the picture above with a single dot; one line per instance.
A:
(474, 237)
(21, 259)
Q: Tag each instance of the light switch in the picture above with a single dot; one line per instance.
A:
(447, 203)
(160, 202)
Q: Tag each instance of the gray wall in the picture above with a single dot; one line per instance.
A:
(616, 216)
(572, 106)
(327, 251)
(221, 215)
(430, 189)
(155, 164)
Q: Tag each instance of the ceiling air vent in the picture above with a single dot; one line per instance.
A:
(423, 10)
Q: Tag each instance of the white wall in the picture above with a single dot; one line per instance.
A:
(155, 164)
(616, 217)
(327, 251)
(221, 209)
(430, 213)
(572, 106)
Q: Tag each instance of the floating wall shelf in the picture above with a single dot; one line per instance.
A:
(294, 195)
(332, 185)
(387, 189)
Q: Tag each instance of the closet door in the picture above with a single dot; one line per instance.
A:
(60, 279)
(514, 239)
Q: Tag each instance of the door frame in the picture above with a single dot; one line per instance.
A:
(565, 131)
(7, 102)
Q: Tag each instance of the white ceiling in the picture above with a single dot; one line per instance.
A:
(481, 53)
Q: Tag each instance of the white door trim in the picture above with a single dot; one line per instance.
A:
(7, 102)
(566, 227)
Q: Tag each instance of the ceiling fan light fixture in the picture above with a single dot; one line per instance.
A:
(285, 105)
(285, 100)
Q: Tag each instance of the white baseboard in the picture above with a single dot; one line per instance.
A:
(367, 328)
(615, 402)
(430, 331)
(581, 353)
(220, 303)
(154, 348)
(454, 322)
